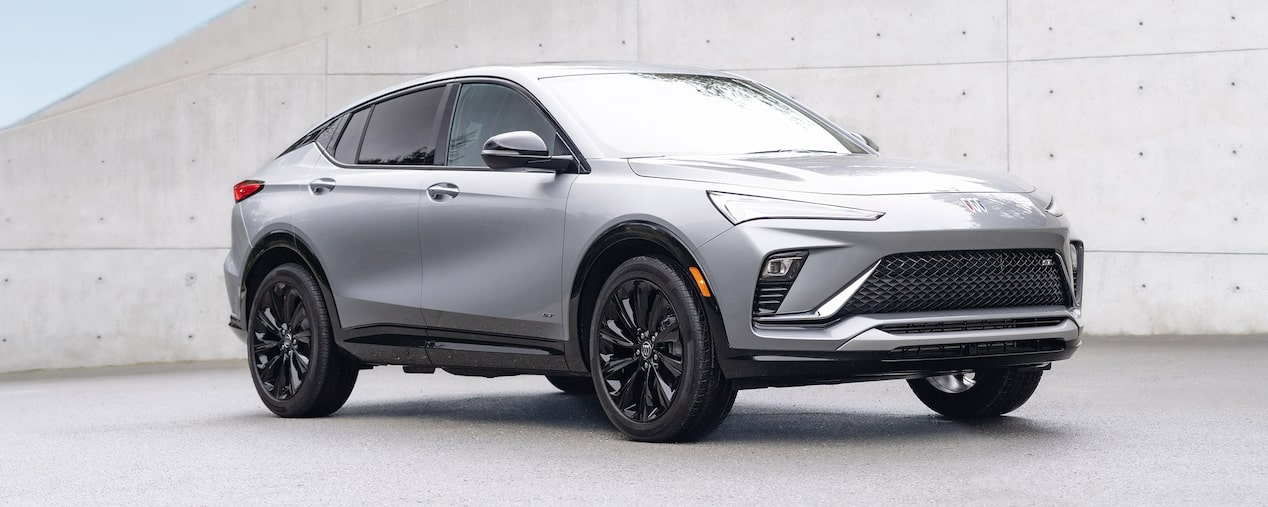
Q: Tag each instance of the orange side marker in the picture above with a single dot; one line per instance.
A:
(704, 287)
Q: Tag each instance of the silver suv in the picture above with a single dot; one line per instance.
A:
(660, 236)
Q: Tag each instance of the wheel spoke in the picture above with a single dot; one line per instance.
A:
(663, 389)
(279, 302)
(303, 336)
(264, 362)
(280, 379)
(673, 365)
(269, 320)
(295, 379)
(639, 306)
(617, 365)
(645, 400)
(263, 346)
(614, 311)
(290, 304)
(297, 317)
(670, 331)
(625, 394)
(617, 339)
(658, 310)
(301, 364)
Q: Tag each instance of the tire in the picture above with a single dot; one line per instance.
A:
(655, 371)
(296, 367)
(992, 393)
(572, 385)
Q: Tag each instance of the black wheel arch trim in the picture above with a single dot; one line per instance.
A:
(283, 240)
(634, 231)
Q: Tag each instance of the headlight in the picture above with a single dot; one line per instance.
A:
(741, 208)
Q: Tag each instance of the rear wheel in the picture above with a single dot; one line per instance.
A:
(977, 393)
(297, 369)
(572, 385)
(652, 356)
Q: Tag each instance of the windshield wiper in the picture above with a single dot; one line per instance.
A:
(798, 150)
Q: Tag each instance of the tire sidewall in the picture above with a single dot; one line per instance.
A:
(690, 320)
(319, 343)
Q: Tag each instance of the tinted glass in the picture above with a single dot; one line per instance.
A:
(346, 151)
(316, 133)
(486, 110)
(326, 133)
(403, 130)
(677, 114)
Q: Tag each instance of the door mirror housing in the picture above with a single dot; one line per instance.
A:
(522, 149)
(867, 141)
(870, 143)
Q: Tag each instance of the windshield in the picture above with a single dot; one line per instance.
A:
(640, 115)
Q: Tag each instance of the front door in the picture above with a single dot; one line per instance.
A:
(492, 240)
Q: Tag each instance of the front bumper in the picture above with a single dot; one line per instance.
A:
(858, 347)
(915, 345)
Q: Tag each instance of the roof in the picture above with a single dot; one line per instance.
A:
(531, 71)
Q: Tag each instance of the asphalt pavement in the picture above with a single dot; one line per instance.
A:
(1143, 420)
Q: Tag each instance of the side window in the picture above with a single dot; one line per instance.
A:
(326, 134)
(402, 130)
(315, 135)
(486, 110)
(350, 140)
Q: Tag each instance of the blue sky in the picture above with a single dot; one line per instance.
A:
(51, 48)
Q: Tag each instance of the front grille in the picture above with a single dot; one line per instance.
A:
(958, 350)
(970, 325)
(963, 280)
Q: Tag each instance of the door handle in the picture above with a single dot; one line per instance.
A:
(442, 191)
(321, 186)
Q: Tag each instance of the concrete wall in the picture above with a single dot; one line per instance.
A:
(1140, 116)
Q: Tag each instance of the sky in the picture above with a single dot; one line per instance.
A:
(49, 49)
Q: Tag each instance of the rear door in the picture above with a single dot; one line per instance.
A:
(360, 211)
(493, 240)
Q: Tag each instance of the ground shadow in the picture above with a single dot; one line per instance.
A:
(748, 423)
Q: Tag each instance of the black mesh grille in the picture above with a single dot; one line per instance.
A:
(974, 349)
(964, 280)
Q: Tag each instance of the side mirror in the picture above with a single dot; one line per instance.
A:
(870, 143)
(522, 149)
(865, 140)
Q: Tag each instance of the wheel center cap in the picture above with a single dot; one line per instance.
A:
(645, 349)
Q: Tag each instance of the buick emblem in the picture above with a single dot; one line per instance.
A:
(974, 205)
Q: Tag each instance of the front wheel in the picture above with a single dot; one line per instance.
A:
(976, 393)
(297, 369)
(652, 356)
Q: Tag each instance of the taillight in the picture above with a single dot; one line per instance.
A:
(246, 188)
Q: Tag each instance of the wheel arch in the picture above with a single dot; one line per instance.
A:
(275, 249)
(618, 244)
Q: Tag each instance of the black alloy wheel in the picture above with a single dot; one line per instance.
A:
(640, 350)
(651, 355)
(283, 341)
(297, 369)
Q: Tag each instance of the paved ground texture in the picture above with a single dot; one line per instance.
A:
(1129, 420)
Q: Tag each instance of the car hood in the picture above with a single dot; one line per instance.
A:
(830, 174)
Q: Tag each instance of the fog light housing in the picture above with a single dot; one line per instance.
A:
(780, 267)
(778, 272)
(1074, 256)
